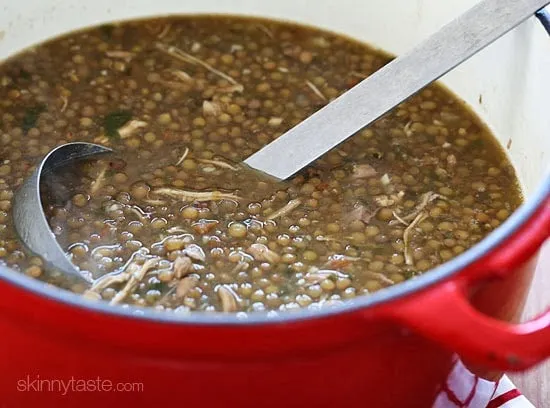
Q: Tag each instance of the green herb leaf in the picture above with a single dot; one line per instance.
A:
(31, 116)
(106, 31)
(114, 121)
(477, 144)
(24, 74)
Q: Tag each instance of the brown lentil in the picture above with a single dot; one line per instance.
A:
(174, 193)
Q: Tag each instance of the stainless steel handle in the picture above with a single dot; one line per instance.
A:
(544, 17)
(391, 85)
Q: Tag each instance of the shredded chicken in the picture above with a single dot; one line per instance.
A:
(98, 182)
(177, 230)
(261, 252)
(186, 195)
(183, 156)
(165, 31)
(451, 159)
(316, 277)
(196, 46)
(218, 163)
(190, 59)
(424, 201)
(235, 48)
(274, 121)
(154, 201)
(211, 108)
(164, 299)
(103, 140)
(398, 218)
(360, 212)
(361, 171)
(65, 102)
(130, 128)
(265, 30)
(380, 277)
(91, 295)
(136, 276)
(407, 251)
(388, 201)
(407, 129)
(107, 280)
(398, 197)
(185, 285)
(323, 238)
(195, 252)
(241, 266)
(359, 75)
(228, 299)
(290, 206)
(182, 75)
(204, 226)
(316, 90)
(384, 201)
(338, 261)
(117, 54)
(177, 85)
(182, 266)
(231, 88)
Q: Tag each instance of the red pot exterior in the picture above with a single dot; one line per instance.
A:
(374, 357)
(343, 360)
(370, 357)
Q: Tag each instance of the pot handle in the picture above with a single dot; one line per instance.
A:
(444, 313)
(446, 316)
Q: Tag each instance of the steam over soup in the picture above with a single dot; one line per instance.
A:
(173, 221)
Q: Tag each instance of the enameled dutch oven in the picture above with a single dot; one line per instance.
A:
(395, 348)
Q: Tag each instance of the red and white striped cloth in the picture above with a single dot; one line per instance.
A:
(508, 396)
(466, 390)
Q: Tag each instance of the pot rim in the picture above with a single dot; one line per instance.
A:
(449, 269)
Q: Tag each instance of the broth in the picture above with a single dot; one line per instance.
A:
(172, 220)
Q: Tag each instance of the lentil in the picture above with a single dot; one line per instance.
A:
(173, 206)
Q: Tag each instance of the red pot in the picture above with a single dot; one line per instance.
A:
(396, 348)
(393, 349)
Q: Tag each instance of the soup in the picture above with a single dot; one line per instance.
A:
(173, 221)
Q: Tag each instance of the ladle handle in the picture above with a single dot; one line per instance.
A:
(391, 85)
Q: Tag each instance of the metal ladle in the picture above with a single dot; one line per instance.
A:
(322, 131)
(28, 215)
